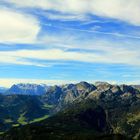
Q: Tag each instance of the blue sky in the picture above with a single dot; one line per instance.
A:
(56, 42)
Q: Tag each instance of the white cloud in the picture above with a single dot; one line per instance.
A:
(7, 82)
(10, 59)
(125, 10)
(17, 27)
(108, 55)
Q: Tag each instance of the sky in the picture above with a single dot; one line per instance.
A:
(63, 41)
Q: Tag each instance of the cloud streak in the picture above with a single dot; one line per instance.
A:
(124, 10)
(119, 35)
(123, 56)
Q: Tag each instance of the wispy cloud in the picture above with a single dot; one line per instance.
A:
(125, 10)
(9, 59)
(120, 35)
(66, 17)
(123, 56)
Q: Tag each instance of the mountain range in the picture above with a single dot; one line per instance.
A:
(99, 111)
(3, 89)
(25, 89)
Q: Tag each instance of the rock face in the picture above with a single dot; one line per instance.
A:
(68, 93)
(27, 89)
(72, 92)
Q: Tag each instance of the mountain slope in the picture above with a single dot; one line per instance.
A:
(80, 121)
(18, 110)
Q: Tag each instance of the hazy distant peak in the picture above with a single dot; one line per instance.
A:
(101, 83)
(28, 89)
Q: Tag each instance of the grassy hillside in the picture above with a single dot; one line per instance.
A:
(80, 121)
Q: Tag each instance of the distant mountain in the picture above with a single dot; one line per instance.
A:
(136, 86)
(27, 89)
(3, 89)
(77, 111)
